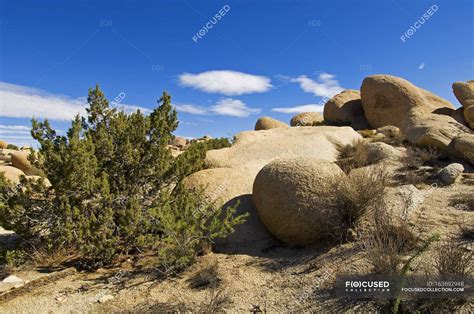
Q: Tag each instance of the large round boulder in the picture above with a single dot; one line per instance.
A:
(3, 144)
(390, 100)
(179, 141)
(469, 116)
(224, 188)
(20, 160)
(346, 108)
(307, 119)
(284, 195)
(464, 92)
(12, 174)
(267, 123)
(464, 145)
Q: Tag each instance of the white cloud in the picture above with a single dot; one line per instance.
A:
(18, 101)
(226, 82)
(300, 109)
(15, 127)
(189, 108)
(325, 85)
(421, 66)
(233, 107)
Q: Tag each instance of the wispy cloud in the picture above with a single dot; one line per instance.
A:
(226, 82)
(234, 108)
(15, 127)
(300, 109)
(18, 101)
(421, 66)
(190, 108)
(224, 107)
(324, 86)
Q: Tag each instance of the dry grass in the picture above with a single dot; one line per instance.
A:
(453, 259)
(206, 276)
(351, 197)
(463, 201)
(356, 155)
(390, 238)
(419, 156)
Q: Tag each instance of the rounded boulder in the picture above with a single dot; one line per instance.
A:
(285, 198)
(267, 123)
(345, 108)
(20, 160)
(3, 144)
(307, 119)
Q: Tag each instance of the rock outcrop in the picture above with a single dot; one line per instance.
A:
(390, 100)
(307, 119)
(19, 159)
(450, 173)
(346, 109)
(267, 123)
(233, 171)
(3, 144)
(464, 92)
(423, 118)
(283, 193)
(12, 174)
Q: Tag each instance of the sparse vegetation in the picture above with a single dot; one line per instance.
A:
(389, 239)
(453, 259)
(351, 197)
(356, 155)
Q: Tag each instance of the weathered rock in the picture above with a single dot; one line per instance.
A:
(464, 92)
(378, 151)
(267, 123)
(469, 116)
(3, 144)
(346, 108)
(433, 130)
(283, 193)
(12, 174)
(464, 145)
(458, 115)
(226, 187)
(5, 154)
(46, 182)
(179, 141)
(390, 131)
(20, 160)
(252, 150)
(234, 169)
(307, 119)
(106, 298)
(403, 201)
(450, 173)
(390, 100)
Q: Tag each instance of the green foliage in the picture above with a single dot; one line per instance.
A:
(15, 258)
(112, 184)
(189, 224)
(11, 146)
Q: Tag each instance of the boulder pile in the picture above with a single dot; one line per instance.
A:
(14, 163)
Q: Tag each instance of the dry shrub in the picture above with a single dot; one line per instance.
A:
(453, 258)
(390, 238)
(351, 197)
(206, 276)
(467, 231)
(419, 156)
(356, 155)
(463, 201)
(215, 302)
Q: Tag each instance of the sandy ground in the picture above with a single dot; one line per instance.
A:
(277, 280)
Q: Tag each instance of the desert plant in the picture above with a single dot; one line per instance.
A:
(113, 186)
(357, 155)
(351, 197)
(453, 259)
(11, 146)
(419, 156)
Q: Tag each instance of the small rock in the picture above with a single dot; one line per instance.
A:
(13, 279)
(106, 298)
(450, 173)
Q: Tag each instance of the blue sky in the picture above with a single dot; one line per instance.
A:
(258, 56)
